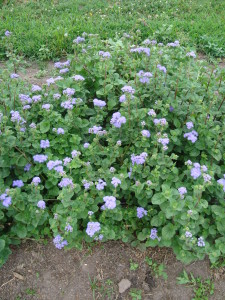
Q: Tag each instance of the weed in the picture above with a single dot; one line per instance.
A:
(133, 266)
(135, 294)
(104, 290)
(202, 288)
(157, 269)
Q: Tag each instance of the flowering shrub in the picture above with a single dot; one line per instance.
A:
(127, 143)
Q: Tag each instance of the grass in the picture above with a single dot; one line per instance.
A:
(39, 26)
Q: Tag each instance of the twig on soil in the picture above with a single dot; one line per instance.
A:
(7, 282)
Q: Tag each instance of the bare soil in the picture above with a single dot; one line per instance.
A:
(37, 271)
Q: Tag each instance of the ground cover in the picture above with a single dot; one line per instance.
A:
(44, 29)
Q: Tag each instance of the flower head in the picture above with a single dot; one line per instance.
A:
(92, 228)
(41, 204)
(115, 181)
(36, 181)
(141, 212)
(110, 202)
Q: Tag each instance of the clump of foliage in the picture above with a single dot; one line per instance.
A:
(124, 142)
(202, 288)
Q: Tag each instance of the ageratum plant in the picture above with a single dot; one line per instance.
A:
(125, 142)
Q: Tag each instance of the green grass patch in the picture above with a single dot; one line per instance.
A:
(39, 27)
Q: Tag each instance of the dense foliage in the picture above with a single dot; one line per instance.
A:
(43, 29)
(125, 142)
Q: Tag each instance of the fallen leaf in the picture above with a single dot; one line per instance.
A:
(18, 276)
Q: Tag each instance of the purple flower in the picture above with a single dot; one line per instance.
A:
(191, 136)
(92, 228)
(8, 33)
(148, 182)
(67, 105)
(15, 116)
(59, 169)
(122, 98)
(25, 99)
(40, 158)
(25, 107)
(59, 242)
(222, 182)
(175, 44)
(100, 185)
(27, 167)
(33, 126)
(189, 125)
(139, 159)
(86, 145)
(188, 162)
(118, 143)
(117, 120)
(182, 191)
(104, 54)
(128, 89)
(41, 204)
(66, 161)
(36, 88)
(188, 234)
(207, 178)
(99, 103)
(69, 92)
(115, 181)
(161, 68)
(44, 144)
(36, 98)
(191, 54)
(60, 131)
(141, 212)
(153, 234)
(95, 129)
(14, 76)
(66, 182)
(50, 81)
(36, 181)
(87, 184)
(152, 113)
(69, 228)
(75, 153)
(17, 183)
(144, 76)
(171, 108)
(201, 242)
(6, 200)
(110, 202)
(164, 141)
(141, 50)
(79, 40)
(46, 106)
(145, 133)
(90, 213)
(57, 96)
(52, 164)
(63, 71)
(196, 172)
(78, 78)
(112, 169)
(161, 122)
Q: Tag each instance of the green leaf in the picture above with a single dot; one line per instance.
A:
(44, 126)
(2, 244)
(168, 231)
(20, 230)
(158, 199)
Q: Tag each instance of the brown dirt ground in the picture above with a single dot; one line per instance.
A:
(48, 273)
